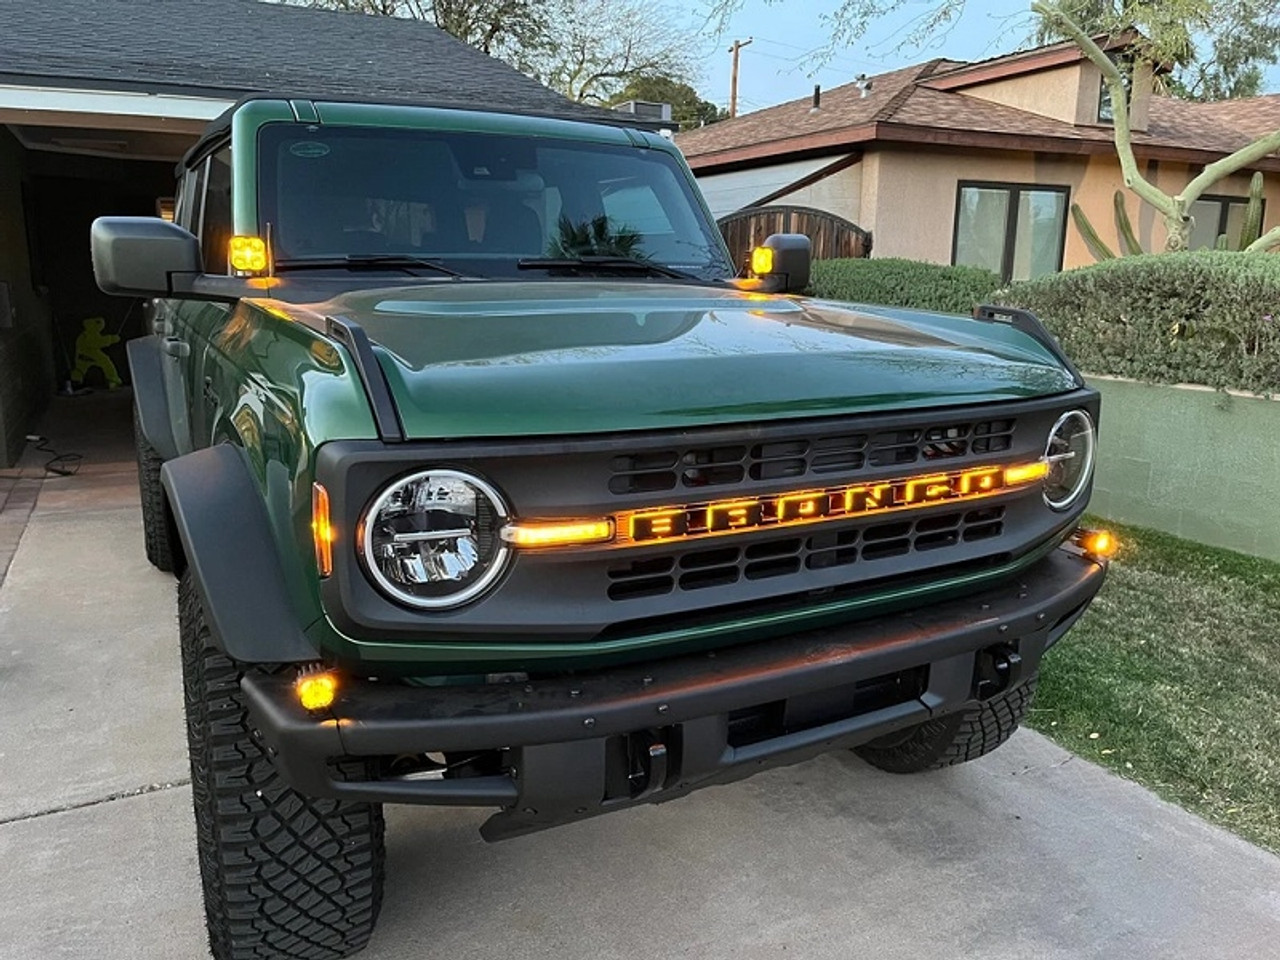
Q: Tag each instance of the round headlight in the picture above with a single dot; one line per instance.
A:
(431, 539)
(1070, 457)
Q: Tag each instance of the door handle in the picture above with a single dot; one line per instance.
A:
(175, 347)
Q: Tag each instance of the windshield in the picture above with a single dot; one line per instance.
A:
(478, 203)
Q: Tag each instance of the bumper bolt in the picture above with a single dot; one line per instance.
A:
(1003, 628)
(589, 722)
(662, 708)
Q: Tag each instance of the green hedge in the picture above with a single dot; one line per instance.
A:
(1209, 317)
(904, 283)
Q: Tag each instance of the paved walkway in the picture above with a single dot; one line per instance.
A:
(1028, 854)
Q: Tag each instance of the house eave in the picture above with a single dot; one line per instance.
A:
(834, 141)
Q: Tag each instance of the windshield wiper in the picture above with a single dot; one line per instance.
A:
(604, 262)
(369, 261)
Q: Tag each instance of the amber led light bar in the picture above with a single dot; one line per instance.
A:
(815, 506)
(740, 514)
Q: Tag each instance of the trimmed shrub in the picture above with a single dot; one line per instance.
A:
(1209, 317)
(904, 283)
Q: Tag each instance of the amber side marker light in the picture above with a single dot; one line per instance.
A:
(321, 529)
(557, 533)
(248, 254)
(316, 690)
(1098, 544)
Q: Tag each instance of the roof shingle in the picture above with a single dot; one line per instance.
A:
(906, 98)
(231, 48)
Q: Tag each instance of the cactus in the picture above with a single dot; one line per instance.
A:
(1128, 239)
(1251, 229)
(1094, 242)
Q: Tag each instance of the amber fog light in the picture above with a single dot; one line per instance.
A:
(431, 539)
(1069, 454)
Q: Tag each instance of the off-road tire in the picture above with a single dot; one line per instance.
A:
(284, 875)
(157, 528)
(955, 738)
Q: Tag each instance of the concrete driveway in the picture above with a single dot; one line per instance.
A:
(1028, 853)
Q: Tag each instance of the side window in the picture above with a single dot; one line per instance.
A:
(215, 232)
(187, 211)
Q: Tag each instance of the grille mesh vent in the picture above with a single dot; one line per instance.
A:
(785, 556)
(820, 455)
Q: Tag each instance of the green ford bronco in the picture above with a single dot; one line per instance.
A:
(492, 478)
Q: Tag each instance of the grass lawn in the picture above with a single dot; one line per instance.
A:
(1172, 679)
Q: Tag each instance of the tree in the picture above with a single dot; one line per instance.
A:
(688, 110)
(599, 46)
(495, 27)
(1217, 47)
(588, 50)
(1154, 48)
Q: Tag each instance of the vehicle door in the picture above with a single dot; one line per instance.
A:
(193, 323)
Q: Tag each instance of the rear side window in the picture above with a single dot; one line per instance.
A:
(190, 192)
(215, 233)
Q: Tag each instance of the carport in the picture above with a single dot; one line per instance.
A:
(66, 157)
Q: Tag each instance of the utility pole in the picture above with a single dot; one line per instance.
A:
(733, 77)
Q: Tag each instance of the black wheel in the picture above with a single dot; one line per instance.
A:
(284, 875)
(955, 738)
(157, 528)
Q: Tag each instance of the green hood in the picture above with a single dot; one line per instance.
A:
(555, 357)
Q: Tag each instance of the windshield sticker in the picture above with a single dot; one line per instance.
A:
(309, 149)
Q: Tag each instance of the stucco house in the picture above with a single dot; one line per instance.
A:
(979, 163)
(100, 98)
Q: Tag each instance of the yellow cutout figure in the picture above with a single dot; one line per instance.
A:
(89, 353)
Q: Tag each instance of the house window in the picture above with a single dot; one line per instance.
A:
(1015, 230)
(1215, 216)
(1106, 109)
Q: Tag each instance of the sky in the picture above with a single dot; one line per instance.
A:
(777, 67)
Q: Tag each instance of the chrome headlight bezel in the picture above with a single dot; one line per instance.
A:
(1090, 455)
(471, 591)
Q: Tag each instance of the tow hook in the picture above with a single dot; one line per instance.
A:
(998, 668)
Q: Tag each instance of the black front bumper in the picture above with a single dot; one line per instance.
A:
(677, 724)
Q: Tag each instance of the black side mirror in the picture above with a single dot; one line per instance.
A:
(138, 256)
(150, 257)
(785, 267)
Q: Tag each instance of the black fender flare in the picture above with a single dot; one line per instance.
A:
(232, 557)
(146, 370)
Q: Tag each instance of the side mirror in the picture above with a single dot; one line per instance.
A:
(138, 256)
(782, 262)
(150, 257)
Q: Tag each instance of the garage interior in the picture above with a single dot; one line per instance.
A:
(54, 180)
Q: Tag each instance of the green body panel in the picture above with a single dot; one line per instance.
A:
(560, 357)
(547, 358)
(277, 389)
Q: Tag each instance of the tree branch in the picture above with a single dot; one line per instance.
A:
(1265, 242)
(1229, 165)
(1133, 178)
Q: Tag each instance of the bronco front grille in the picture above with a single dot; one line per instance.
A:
(819, 455)
(784, 556)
